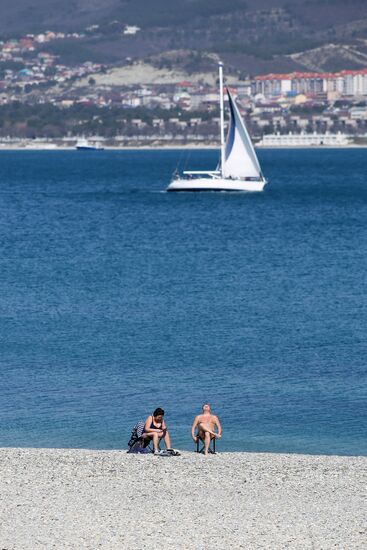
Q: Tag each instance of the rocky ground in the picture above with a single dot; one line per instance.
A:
(74, 499)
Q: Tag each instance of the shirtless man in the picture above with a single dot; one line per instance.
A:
(206, 423)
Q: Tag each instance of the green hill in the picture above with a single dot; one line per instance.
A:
(253, 36)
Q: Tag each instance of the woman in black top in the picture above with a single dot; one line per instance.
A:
(155, 429)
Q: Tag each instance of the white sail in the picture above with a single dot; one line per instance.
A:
(240, 157)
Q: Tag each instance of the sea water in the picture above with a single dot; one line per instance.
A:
(117, 298)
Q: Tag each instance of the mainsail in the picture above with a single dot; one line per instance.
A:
(240, 160)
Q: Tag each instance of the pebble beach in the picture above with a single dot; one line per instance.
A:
(73, 499)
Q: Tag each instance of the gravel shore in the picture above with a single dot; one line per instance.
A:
(65, 499)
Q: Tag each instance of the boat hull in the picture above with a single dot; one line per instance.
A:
(215, 184)
(88, 148)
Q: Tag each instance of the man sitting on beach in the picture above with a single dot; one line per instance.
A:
(206, 423)
(155, 429)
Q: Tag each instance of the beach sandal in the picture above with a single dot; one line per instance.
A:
(172, 452)
(168, 452)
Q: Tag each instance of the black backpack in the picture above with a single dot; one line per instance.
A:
(135, 443)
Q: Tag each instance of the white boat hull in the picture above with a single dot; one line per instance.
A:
(215, 184)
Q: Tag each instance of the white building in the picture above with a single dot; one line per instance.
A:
(350, 83)
(131, 29)
(358, 113)
(304, 140)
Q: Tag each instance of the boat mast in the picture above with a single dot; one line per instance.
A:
(222, 146)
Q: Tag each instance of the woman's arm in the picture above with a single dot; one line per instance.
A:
(164, 427)
(147, 425)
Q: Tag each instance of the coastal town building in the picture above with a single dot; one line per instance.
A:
(304, 140)
(289, 105)
(131, 30)
(347, 83)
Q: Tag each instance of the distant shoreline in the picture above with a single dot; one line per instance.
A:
(195, 146)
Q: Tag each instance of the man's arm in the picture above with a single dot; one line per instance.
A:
(219, 427)
(193, 428)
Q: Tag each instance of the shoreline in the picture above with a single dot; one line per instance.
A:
(191, 146)
(66, 498)
(185, 451)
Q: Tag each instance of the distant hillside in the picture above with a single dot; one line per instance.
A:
(252, 36)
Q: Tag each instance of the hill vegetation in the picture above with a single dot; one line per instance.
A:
(252, 35)
(46, 120)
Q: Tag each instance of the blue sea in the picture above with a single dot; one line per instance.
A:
(117, 298)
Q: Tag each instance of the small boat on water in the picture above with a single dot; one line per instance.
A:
(84, 145)
(239, 168)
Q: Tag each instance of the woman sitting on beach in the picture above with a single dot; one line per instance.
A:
(206, 423)
(155, 429)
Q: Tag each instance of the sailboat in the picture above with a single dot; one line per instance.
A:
(239, 168)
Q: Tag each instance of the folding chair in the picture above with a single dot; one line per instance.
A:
(211, 449)
(138, 443)
(142, 445)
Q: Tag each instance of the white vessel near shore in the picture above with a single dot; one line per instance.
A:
(84, 145)
(239, 168)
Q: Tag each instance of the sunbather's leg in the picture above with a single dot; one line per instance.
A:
(204, 428)
(167, 441)
(153, 436)
(207, 439)
(155, 441)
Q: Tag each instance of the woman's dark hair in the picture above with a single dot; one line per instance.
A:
(158, 412)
